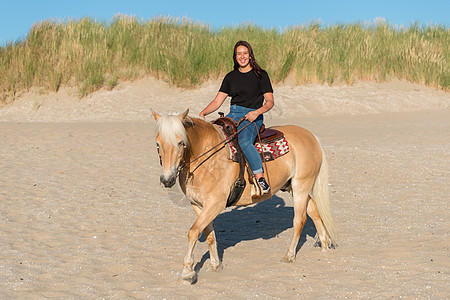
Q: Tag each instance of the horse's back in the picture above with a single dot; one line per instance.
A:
(305, 152)
(299, 137)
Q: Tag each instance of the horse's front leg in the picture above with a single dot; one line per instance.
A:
(210, 235)
(188, 272)
(205, 218)
(215, 264)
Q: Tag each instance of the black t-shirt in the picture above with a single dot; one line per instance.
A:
(246, 89)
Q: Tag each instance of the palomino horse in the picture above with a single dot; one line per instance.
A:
(207, 181)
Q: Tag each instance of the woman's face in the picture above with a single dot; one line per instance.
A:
(242, 56)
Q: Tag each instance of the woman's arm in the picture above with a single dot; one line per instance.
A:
(214, 105)
(268, 104)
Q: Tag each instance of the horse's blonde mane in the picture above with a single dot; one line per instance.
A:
(169, 127)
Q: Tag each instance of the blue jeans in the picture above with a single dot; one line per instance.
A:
(248, 135)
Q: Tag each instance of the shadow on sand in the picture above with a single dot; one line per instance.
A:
(264, 220)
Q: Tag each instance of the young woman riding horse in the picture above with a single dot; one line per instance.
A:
(207, 181)
(248, 85)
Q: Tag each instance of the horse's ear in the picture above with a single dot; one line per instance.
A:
(155, 114)
(183, 115)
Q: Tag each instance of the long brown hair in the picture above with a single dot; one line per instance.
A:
(256, 68)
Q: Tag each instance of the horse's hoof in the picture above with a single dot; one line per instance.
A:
(216, 268)
(326, 249)
(189, 277)
(288, 259)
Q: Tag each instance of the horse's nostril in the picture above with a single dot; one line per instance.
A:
(167, 182)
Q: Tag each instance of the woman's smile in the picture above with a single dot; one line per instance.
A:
(242, 57)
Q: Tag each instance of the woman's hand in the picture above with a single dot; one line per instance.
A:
(251, 116)
(214, 105)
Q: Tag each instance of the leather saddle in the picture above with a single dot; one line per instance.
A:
(268, 135)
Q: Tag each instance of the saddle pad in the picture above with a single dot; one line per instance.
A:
(231, 150)
(268, 151)
(274, 149)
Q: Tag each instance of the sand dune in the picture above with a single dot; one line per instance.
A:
(131, 101)
(82, 214)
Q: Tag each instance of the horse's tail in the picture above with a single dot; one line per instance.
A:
(321, 197)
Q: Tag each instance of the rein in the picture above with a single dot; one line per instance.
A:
(183, 165)
(225, 141)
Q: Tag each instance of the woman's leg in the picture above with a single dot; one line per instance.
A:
(246, 138)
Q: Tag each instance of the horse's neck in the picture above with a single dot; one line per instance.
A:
(202, 136)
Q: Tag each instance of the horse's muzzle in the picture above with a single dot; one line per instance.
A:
(169, 181)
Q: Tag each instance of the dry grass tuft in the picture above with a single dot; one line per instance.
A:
(92, 54)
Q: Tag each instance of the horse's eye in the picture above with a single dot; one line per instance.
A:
(157, 146)
(181, 144)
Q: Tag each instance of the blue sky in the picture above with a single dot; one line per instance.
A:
(17, 17)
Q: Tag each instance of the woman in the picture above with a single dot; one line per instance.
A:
(251, 96)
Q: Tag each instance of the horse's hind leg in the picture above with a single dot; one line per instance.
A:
(301, 197)
(321, 231)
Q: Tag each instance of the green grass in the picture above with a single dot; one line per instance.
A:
(90, 54)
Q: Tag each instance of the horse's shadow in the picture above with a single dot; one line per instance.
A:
(264, 220)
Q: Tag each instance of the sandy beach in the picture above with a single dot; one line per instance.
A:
(83, 215)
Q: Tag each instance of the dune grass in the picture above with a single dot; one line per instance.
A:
(90, 54)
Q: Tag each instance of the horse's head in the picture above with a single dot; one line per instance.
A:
(171, 142)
